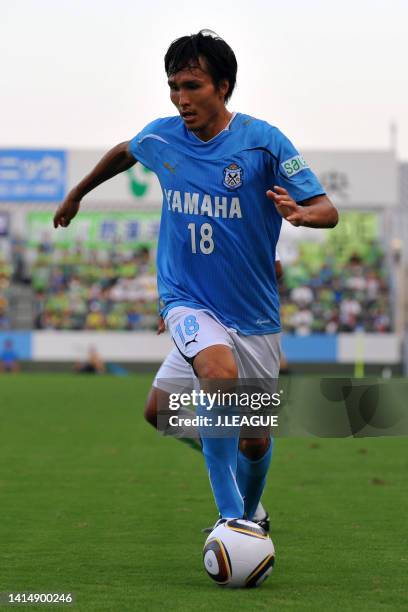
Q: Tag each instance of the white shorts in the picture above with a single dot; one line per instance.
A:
(194, 330)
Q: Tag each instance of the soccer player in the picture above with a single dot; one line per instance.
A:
(227, 180)
(174, 368)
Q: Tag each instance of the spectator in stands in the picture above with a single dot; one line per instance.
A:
(350, 310)
(17, 258)
(6, 271)
(92, 365)
(302, 321)
(4, 319)
(143, 256)
(9, 358)
(302, 296)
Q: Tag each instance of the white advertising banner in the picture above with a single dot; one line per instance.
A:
(369, 348)
(137, 187)
(148, 347)
(353, 179)
(357, 179)
(145, 347)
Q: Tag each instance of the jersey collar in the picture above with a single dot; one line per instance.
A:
(205, 142)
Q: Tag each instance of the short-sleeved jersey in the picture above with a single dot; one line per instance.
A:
(218, 229)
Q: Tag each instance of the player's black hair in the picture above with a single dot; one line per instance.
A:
(221, 62)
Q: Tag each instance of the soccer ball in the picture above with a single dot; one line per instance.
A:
(238, 553)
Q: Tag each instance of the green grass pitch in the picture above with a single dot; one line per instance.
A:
(94, 502)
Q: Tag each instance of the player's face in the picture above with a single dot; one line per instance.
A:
(200, 104)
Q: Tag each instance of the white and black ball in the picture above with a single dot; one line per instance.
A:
(238, 553)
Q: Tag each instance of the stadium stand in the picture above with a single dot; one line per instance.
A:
(6, 271)
(353, 296)
(95, 290)
(80, 289)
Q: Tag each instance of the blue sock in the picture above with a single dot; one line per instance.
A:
(251, 478)
(221, 460)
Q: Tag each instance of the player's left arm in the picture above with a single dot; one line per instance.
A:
(317, 211)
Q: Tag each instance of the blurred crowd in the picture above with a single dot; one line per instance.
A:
(94, 290)
(6, 273)
(353, 296)
(111, 290)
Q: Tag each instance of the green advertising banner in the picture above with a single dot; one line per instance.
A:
(357, 233)
(96, 230)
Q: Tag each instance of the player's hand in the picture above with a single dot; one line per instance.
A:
(66, 211)
(286, 206)
(161, 326)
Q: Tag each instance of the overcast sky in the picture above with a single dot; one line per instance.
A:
(89, 73)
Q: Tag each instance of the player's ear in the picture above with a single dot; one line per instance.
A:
(223, 88)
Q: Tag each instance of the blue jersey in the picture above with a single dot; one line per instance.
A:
(8, 357)
(218, 230)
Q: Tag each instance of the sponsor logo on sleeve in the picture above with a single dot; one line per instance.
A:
(294, 165)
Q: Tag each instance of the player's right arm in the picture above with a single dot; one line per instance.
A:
(116, 160)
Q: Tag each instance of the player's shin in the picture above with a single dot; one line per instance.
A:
(251, 478)
(220, 448)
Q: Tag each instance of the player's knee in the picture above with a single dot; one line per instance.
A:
(254, 448)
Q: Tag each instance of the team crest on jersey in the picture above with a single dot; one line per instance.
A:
(233, 175)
